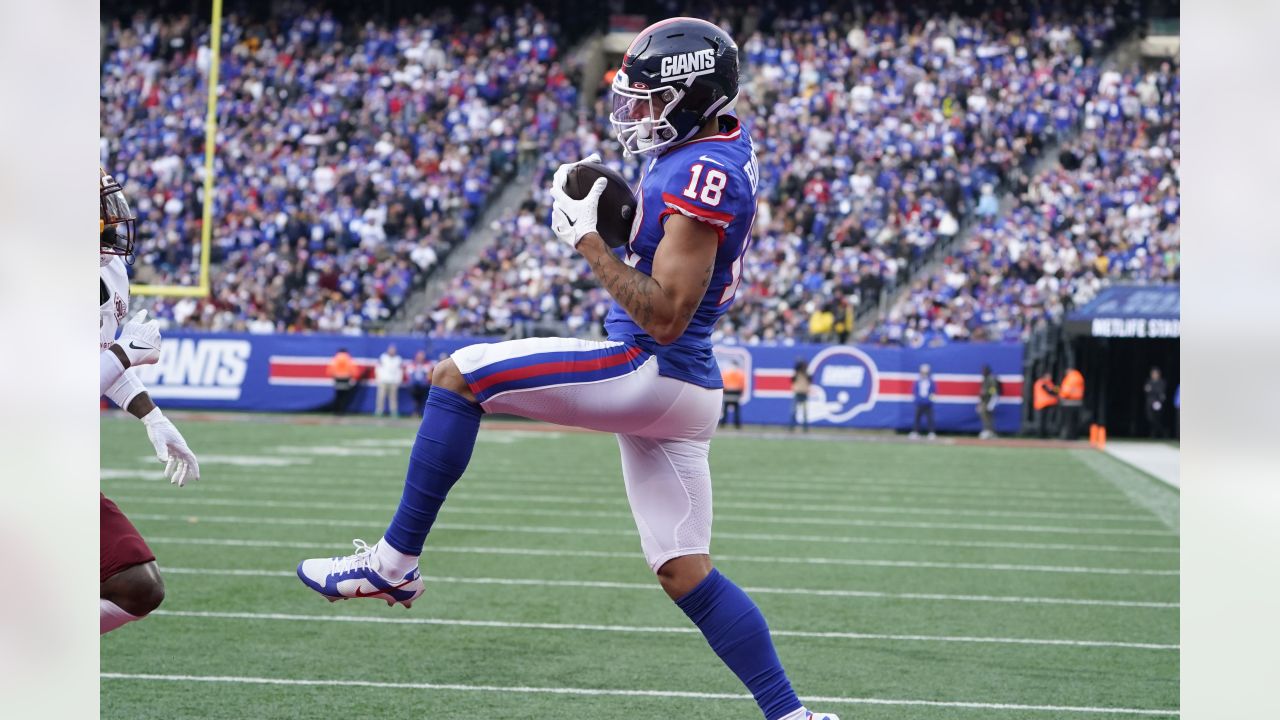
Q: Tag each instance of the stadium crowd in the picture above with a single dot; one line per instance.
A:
(350, 159)
(353, 159)
(1107, 209)
(877, 137)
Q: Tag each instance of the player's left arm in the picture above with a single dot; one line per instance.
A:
(171, 448)
(662, 303)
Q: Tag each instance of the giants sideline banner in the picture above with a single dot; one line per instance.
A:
(853, 386)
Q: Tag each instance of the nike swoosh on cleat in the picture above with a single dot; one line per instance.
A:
(383, 592)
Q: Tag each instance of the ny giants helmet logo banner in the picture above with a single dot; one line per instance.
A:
(845, 383)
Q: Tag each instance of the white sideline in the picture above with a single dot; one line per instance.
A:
(535, 552)
(619, 693)
(552, 530)
(813, 592)
(720, 518)
(500, 624)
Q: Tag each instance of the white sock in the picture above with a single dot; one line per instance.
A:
(112, 616)
(801, 714)
(392, 563)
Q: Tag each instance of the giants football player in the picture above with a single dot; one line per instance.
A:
(654, 382)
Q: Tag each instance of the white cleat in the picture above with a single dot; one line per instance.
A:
(822, 716)
(357, 576)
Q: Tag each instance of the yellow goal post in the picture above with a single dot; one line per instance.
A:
(210, 143)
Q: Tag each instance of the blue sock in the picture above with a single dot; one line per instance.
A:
(736, 630)
(439, 457)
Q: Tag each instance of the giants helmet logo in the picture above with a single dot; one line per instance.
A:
(688, 65)
(845, 384)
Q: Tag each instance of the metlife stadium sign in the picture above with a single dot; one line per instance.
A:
(1130, 311)
(1135, 328)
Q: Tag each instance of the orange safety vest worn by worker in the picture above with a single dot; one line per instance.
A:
(342, 366)
(1072, 388)
(734, 380)
(1043, 396)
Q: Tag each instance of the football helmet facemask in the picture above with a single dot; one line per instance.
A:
(676, 75)
(116, 223)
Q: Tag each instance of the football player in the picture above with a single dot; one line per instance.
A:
(129, 582)
(654, 382)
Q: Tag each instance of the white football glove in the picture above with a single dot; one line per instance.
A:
(171, 448)
(140, 340)
(572, 219)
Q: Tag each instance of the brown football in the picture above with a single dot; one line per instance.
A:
(617, 209)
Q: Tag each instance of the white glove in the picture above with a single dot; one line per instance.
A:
(140, 340)
(572, 219)
(171, 448)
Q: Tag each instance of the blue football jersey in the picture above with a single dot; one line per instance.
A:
(712, 180)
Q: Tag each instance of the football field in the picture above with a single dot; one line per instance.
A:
(902, 580)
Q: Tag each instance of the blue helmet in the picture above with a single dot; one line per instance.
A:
(676, 75)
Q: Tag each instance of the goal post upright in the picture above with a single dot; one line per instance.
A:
(210, 146)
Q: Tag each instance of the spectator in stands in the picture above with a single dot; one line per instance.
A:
(1071, 397)
(346, 375)
(1044, 402)
(1154, 393)
(988, 396)
(924, 392)
(419, 373)
(735, 384)
(801, 383)
(389, 374)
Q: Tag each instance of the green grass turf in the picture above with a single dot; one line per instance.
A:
(965, 522)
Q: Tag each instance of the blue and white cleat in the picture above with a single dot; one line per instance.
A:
(822, 716)
(357, 576)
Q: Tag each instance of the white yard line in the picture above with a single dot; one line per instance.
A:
(620, 501)
(345, 476)
(811, 592)
(720, 517)
(602, 692)
(608, 494)
(552, 530)
(775, 560)
(651, 630)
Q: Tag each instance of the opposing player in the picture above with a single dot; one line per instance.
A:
(654, 382)
(130, 585)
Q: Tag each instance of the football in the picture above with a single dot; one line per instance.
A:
(617, 205)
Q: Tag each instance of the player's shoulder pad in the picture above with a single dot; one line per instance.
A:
(704, 182)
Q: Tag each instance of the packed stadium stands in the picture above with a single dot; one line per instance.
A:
(350, 160)
(1106, 209)
(982, 172)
